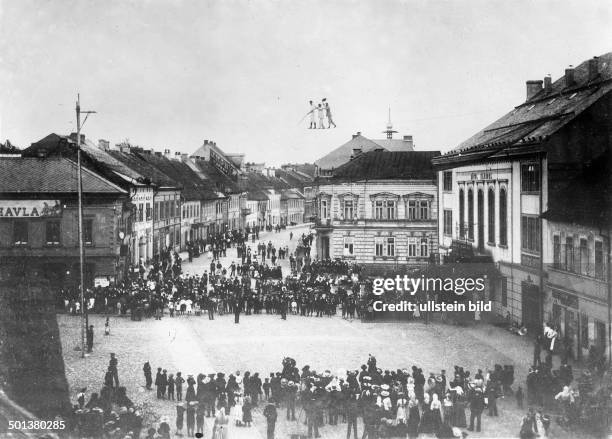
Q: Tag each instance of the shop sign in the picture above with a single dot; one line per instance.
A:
(29, 208)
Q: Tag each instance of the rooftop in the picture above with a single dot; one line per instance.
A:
(388, 165)
(50, 175)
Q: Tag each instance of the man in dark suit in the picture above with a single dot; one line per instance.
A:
(90, 338)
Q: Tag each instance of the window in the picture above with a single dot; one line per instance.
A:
(424, 210)
(447, 179)
(140, 212)
(157, 211)
(148, 211)
(530, 236)
(491, 202)
(384, 209)
(20, 232)
(599, 260)
(384, 246)
(530, 177)
(569, 254)
(348, 209)
(390, 246)
(424, 248)
(412, 248)
(412, 210)
(584, 257)
(503, 217)
(504, 291)
(461, 213)
(470, 214)
(418, 210)
(448, 222)
(172, 205)
(52, 235)
(556, 251)
(324, 209)
(348, 246)
(88, 231)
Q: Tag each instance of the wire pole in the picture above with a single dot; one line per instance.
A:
(80, 195)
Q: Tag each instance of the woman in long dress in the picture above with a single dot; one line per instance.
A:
(448, 410)
(414, 418)
(221, 424)
(436, 413)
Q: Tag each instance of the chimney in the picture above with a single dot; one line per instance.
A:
(593, 68)
(184, 157)
(104, 145)
(533, 88)
(205, 142)
(569, 76)
(124, 148)
(158, 153)
(357, 135)
(167, 154)
(547, 83)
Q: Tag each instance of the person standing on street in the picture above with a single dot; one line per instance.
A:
(237, 306)
(112, 366)
(90, 338)
(476, 407)
(147, 374)
(270, 415)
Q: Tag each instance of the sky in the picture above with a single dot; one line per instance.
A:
(169, 74)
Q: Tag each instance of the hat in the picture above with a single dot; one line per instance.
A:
(385, 387)
(384, 393)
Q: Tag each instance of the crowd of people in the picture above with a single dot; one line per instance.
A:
(400, 403)
(390, 403)
(251, 284)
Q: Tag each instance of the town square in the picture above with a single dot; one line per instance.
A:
(325, 219)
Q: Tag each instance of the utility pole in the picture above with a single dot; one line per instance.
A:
(80, 196)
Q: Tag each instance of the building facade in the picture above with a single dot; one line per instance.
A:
(39, 228)
(380, 210)
(501, 189)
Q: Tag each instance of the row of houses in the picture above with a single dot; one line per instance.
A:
(528, 198)
(137, 204)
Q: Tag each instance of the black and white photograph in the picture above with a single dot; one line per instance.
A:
(266, 219)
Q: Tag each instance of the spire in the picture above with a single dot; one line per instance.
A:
(389, 131)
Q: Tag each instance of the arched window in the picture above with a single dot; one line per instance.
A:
(461, 213)
(503, 217)
(491, 202)
(470, 214)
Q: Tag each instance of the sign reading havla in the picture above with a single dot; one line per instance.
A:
(29, 208)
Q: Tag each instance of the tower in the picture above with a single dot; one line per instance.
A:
(389, 131)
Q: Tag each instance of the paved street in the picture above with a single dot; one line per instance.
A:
(202, 263)
(258, 344)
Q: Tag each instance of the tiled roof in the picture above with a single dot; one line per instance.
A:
(293, 179)
(539, 117)
(291, 194)
(136, 160)
(343, 153)
(50, 175)
(257, 195)
(395, 144)
(384, 165)
(193, 187)
(219, 181)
